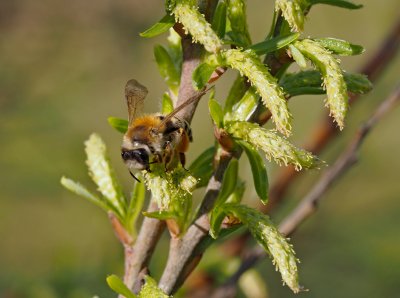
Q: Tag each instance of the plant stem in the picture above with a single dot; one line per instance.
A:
(308, 205)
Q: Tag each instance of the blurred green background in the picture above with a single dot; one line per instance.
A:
(63, 67)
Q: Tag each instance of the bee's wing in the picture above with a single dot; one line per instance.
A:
(135, 94)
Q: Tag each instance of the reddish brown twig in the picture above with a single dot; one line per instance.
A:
(308, 205)
(326, 130)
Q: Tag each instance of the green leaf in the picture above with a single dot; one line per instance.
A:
(103, 174)
(236, 92)
(298, 57)
(135, 205)
(175, 49)
(162, 26)
(217, 216)
(151, 290)
(161, 215)
(167, 106)
(82, 191)
(218, 213)
(244, 108)
(215, 110)
(202, 166)
(229, 182)
(238, 22)
(119, 124)
(167, 68)
(274, 44)
(338, 3)
(357, 83)
(116, 284)
(267, 235)
(310, 82)
(219, 19)
(340, 46)
(237, 195)
(260, 176)
(274, 146)
(202, 74)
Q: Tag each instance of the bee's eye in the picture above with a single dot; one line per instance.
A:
(126, 155)
(140, 155)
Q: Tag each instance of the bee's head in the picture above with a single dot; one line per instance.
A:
(136, 159)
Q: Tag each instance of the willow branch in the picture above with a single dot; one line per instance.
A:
(308, 205)
(137, 256)
(326, 131)
(184, 254)
(346, 160)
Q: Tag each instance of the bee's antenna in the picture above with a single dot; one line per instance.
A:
(134, 177)
(191, 100)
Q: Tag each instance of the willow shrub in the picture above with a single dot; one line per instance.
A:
(259, 87)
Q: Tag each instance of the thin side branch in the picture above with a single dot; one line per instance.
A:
(309, 203)
(346, 160)
(326, 131)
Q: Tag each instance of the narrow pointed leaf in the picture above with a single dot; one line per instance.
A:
(340, 46)
(260, 176)
(83, 192)
(217, 216)
(175, 49)
(357, 83)
(167, 68)
(119, 124)
(238, 22)
(215, 110)
(202, 74)
(116, 284)
(160, 215)
(236, 92)
(237, 195)
(267, 235)
(219, 19)
(135, 205)
(338, 3)
(274, 44)
(310, 82)
(202, 166)
(229, 182)
(244, 108)
(160, 27)
(167, 106)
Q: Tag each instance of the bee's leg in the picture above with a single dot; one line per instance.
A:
(182, 159)
(167, 155)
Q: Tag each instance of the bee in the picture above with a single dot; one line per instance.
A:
(154, 138)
